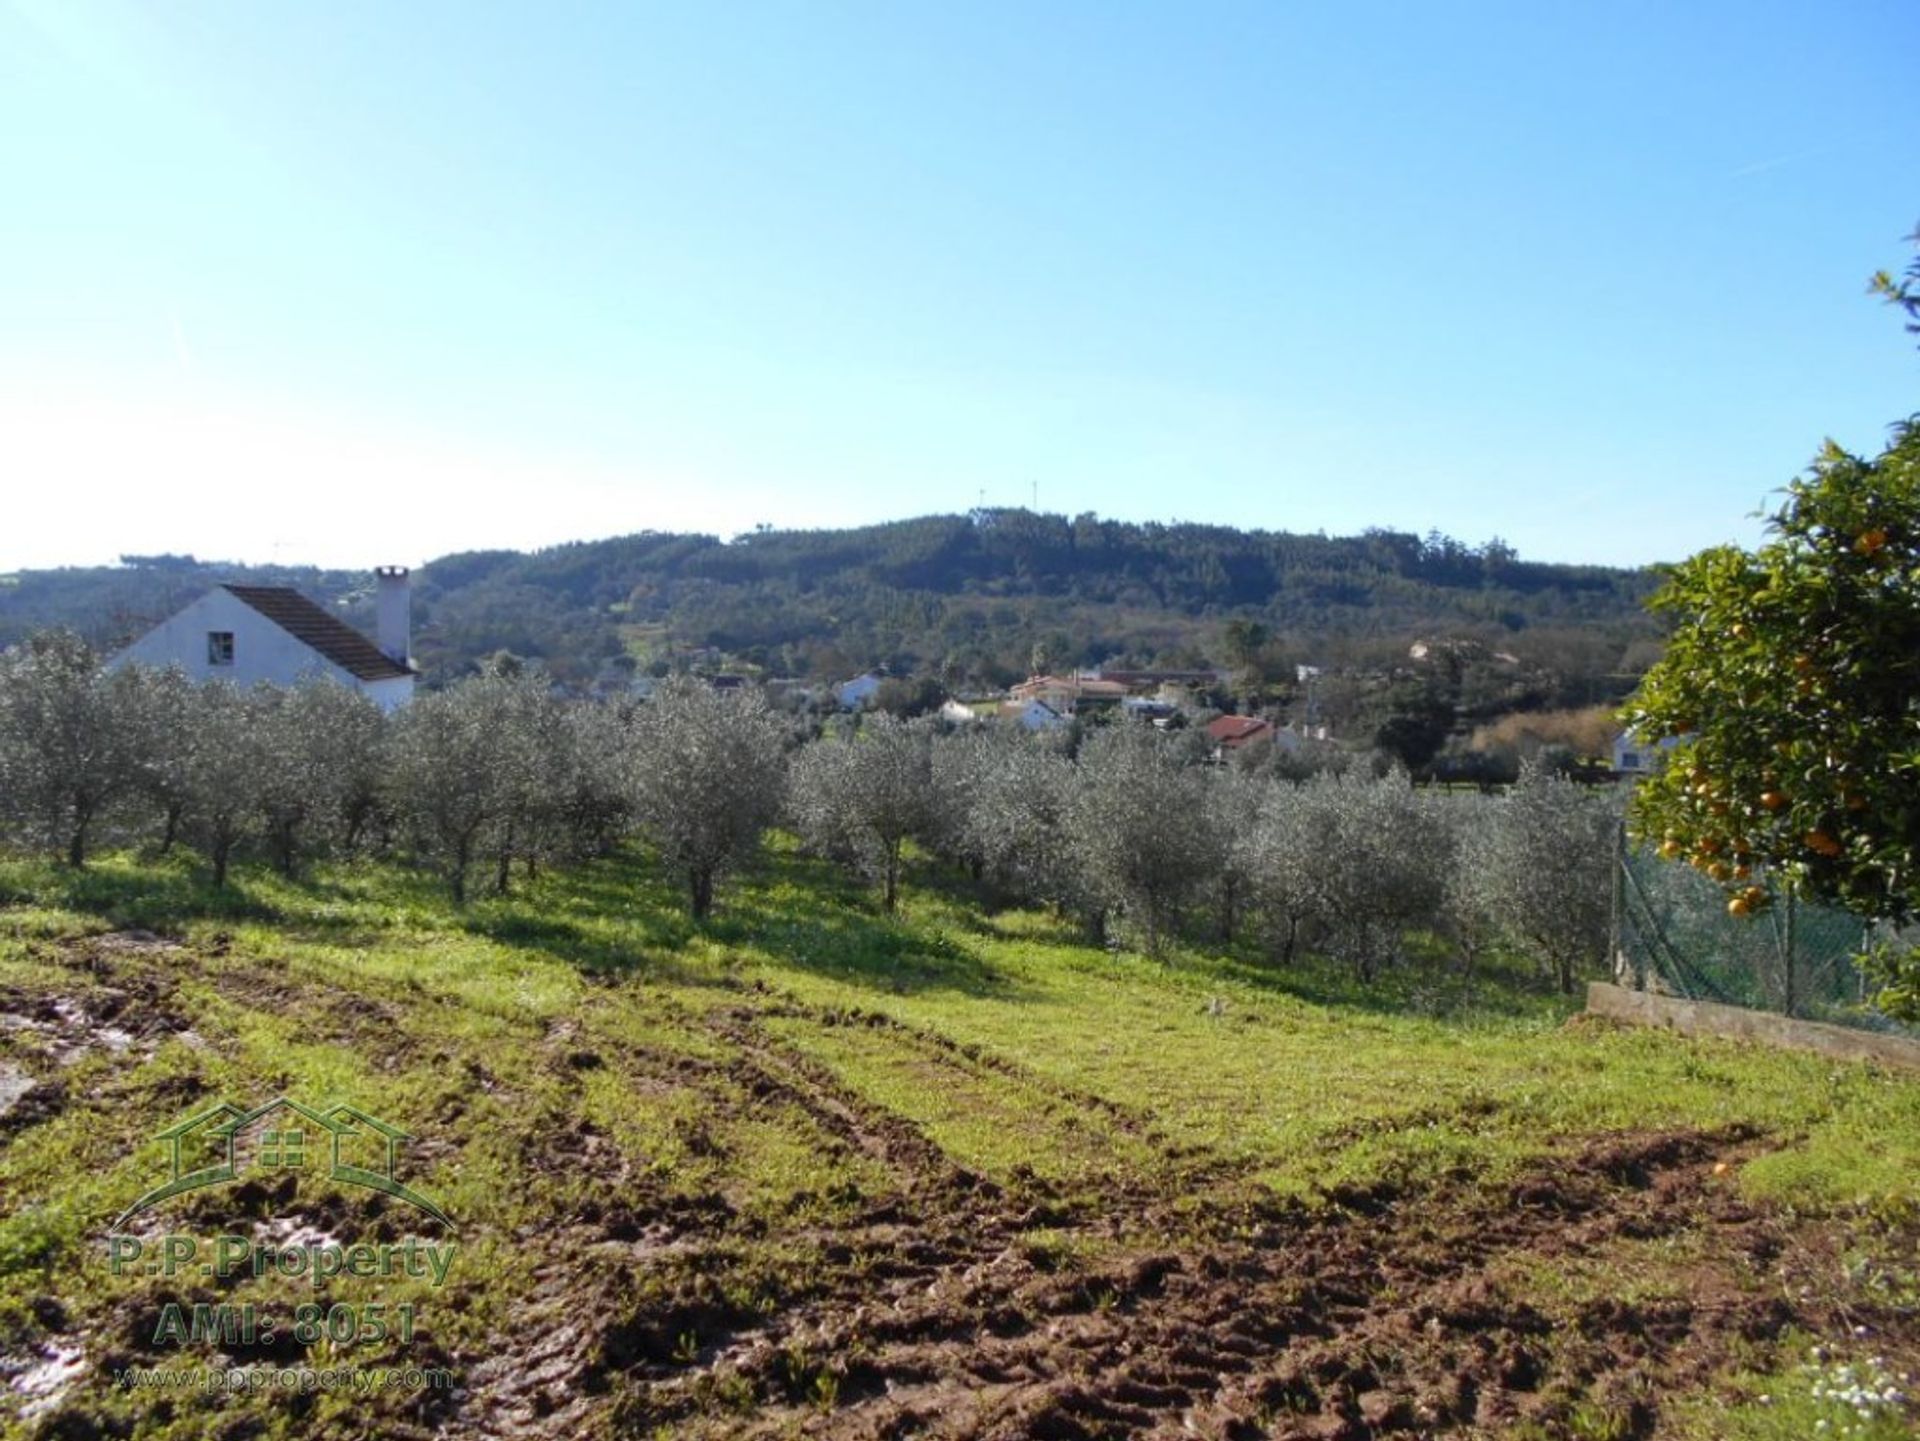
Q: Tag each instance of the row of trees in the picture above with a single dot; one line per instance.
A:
(1126, 829)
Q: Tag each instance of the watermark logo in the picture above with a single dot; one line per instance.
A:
(225, 1143)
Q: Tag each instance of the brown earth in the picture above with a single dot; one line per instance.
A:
(954, 1307)
(1175, 1299)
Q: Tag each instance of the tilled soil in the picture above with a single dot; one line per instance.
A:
(1176, 1298)
(956, 1307)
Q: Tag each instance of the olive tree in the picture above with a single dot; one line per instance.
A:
(597, 806)
(455, 771)
(224, 759)
(537, 764)
(1017, 826)
(164, 707)
(1472, 903)
(1274, 851)
(324, 746)
(69, 742)
(1132, 819)
(1376, 859)
(860, 798)
(708, 771)
(965, 767)
(1548, 860)
(1229, 814)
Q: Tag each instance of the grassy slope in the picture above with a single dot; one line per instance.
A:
(579, 1045)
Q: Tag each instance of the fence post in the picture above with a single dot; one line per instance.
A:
(1792, 986)
(1617, 904)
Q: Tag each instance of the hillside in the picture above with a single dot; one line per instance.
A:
(812, 1171)
(976, 598)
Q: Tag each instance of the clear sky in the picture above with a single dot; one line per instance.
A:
(359, 282)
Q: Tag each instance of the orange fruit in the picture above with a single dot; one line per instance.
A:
(1773, 800)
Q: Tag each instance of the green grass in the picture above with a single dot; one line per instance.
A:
(580, 1040)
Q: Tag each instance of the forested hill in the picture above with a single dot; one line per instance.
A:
(978, 597)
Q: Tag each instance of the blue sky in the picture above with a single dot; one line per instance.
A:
(356, 282)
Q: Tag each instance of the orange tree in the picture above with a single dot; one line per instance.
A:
(1792, 681)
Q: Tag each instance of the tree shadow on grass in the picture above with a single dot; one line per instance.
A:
(1499, 989)
(151, 896)
(802, 912)
(620, 916)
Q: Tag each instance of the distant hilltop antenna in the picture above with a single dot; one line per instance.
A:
(1036, 497)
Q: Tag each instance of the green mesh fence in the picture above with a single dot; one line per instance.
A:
(1675, 935)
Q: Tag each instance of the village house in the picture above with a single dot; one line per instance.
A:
(254, 634)
(1230, 732)
(1064, 695)
(1633, 756)
(1034, 714)
(860, 691)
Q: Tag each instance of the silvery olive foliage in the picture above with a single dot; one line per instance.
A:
(323, 748)
(1114, 824)
(70, 752)
(1131, 819)
(860, 796)
(225, 760)
(1230, 814)
(1548, 867)
(458, 766)
(1379, 861)
(708, 773)
(1275, 852)
(1017, 826)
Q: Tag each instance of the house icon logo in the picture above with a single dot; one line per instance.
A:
(225, 1143)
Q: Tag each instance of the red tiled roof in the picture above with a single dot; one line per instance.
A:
(1232, 729)
(323, 632)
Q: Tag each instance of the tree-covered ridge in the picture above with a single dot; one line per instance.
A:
(969, 595)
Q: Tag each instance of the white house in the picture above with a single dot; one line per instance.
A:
(852, 694)
(253, 633)
(1635, 757)
(1033, 713)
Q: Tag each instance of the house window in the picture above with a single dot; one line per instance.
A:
(219, 647)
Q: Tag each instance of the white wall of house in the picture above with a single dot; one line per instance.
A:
(1037, 715)
(1635, 757)
(857, 692)
(262, 651)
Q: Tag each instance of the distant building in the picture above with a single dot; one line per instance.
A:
(1633, 756)
(1066, 694)
(852, 694)
(1230, 732)
(249, 634)
(1034, 714)
(1150, 709)
(1146, 680)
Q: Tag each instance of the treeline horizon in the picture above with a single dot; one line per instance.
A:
(975, 599)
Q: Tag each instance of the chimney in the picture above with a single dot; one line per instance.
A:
(393, 620)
